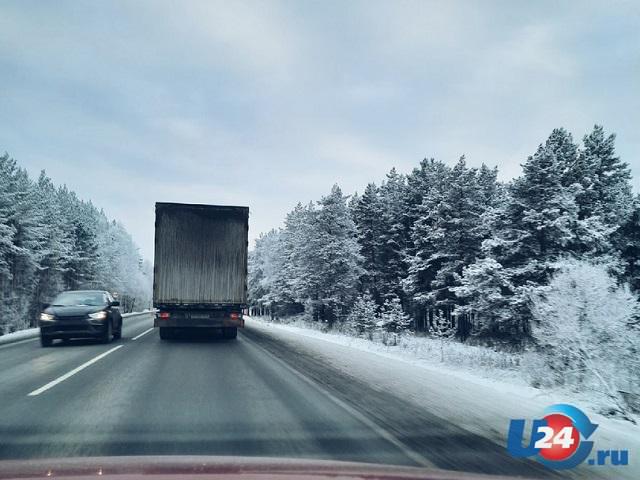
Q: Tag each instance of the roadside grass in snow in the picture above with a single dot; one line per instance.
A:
(483, 361)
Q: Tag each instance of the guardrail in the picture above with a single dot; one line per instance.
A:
(34, 332)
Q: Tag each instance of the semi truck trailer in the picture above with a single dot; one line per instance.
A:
(200, 268)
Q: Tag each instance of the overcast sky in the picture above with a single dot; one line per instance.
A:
(269, 103)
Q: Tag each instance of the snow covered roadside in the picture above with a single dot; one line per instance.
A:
(135, 314)
(479, 404)
(34, 332)
(19, 335)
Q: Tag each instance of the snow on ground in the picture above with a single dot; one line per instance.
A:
(481, 400)
(19, 335)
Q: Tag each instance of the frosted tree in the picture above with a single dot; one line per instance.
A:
(314, 264)
(333, 257)
(393, 320)
(120, 267)
(602, 187)
(8, 231)
(49, 243)
(367, 213)
(604, 178)
(442, 329)
(490, 190)
(455, 241)
(423, 257)
(394, 236)
(256, 288)
(459, 232)
(487, 295)
(80, 224)
(29, 223)
(449, 236)
(264, 278)
(430, 176)
(537, 224)
(363, 317)
(542, 213)
(55, 243)
(296, 280)
(627, 242)
(581, 318)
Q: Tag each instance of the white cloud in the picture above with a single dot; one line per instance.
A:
(346, 150)
(255, 38)
(270, 103)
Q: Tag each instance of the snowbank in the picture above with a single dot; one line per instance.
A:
(19, 335)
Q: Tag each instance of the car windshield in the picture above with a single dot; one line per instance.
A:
(68, 299)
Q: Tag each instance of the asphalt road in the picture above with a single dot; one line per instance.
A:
(253, 396)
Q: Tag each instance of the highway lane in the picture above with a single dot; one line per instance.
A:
(27, 366)
(184, 397)
(249, 397)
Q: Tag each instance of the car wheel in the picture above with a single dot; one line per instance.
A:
(108, 333)
(230, 332)
(45, 341)
(166, 333)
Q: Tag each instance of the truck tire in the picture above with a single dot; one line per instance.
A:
(230, 332)
(45, 341)
(165, 333)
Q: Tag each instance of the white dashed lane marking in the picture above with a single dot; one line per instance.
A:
(143, 333)
(71, 373)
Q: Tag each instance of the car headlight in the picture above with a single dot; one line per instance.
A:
(46, 317)
(98, 315)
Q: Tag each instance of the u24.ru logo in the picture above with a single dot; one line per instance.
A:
(561, 439)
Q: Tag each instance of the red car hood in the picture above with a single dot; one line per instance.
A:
(204, 467)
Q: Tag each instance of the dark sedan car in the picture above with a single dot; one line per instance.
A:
(81, 314)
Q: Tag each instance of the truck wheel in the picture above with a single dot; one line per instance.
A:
(45, 341)
(165, 333)
(230, 332)
(108, 333)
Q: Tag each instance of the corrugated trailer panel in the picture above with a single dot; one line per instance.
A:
(200, 254)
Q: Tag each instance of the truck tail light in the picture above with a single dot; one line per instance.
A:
(235, 316)
(163, 315)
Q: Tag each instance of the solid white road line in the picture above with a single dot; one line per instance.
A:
(62, 378)
(143, 333)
